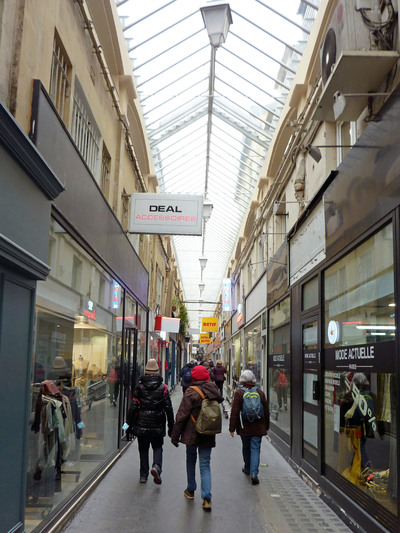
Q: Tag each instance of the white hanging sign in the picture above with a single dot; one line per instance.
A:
(166, 214)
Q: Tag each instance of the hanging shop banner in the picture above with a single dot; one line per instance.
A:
(164, 323)
(204, 338)
(166, 214)
(226, 294)
(209, 324)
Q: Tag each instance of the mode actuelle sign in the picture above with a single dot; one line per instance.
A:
(166, 214)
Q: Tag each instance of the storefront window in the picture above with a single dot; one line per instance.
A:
(141, 344)
(279, 365)
(253, 349)
(236, 366)
(73, 422)
(310, 294)
(360, 386)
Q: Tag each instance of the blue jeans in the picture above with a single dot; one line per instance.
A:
(205, 471)
(251, 446)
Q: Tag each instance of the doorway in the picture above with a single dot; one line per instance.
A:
(129, 368)
(311, 354)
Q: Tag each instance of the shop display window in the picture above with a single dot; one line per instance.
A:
(236, 362)
(141, 345)
(75, 376)
(253, 350)
(360, 397)
(279, 365)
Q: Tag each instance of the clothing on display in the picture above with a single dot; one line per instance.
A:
(55, 429)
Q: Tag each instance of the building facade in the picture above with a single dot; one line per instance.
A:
(77, 290)
(315, 269)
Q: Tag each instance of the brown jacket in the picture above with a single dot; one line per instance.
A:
(184, 430)
(260, 427)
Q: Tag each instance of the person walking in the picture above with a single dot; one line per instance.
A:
(150, 408)
(186, 374)
(219, 375)
(250, 432)
(184, 431)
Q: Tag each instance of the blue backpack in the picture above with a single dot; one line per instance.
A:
(252, 409)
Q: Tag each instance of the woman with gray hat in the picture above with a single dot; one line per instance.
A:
(150, 408)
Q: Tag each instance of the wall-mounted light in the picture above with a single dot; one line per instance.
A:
(340, 102)
(217, 20)
(315, 152)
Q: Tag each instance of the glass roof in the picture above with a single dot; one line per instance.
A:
(210, 114)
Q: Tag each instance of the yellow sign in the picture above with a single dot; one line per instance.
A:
(205, 338)
(209, 324)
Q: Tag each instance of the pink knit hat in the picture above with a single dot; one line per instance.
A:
(200, 373)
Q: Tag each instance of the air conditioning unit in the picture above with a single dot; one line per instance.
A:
(349, 62)
(347, 31)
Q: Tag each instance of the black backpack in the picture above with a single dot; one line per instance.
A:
(187, 377)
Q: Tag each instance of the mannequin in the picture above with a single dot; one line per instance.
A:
(79, 371)
(59, 370)
(94, 372)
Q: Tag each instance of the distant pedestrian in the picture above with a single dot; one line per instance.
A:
(184, 431)
(219, 375)
(186, 375)
(150, 408)
(250, 432)
(210, 371)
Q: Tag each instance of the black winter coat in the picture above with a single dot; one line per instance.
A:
(154, 406)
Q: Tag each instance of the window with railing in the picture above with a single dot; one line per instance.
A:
(84, 131)
(60, 84)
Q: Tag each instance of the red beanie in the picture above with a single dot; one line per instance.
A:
(200, 373)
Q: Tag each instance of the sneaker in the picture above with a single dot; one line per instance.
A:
(189, 494)
(207, 504)
(247, 472)
(155, 472)
(143, 479)
(255, 480)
